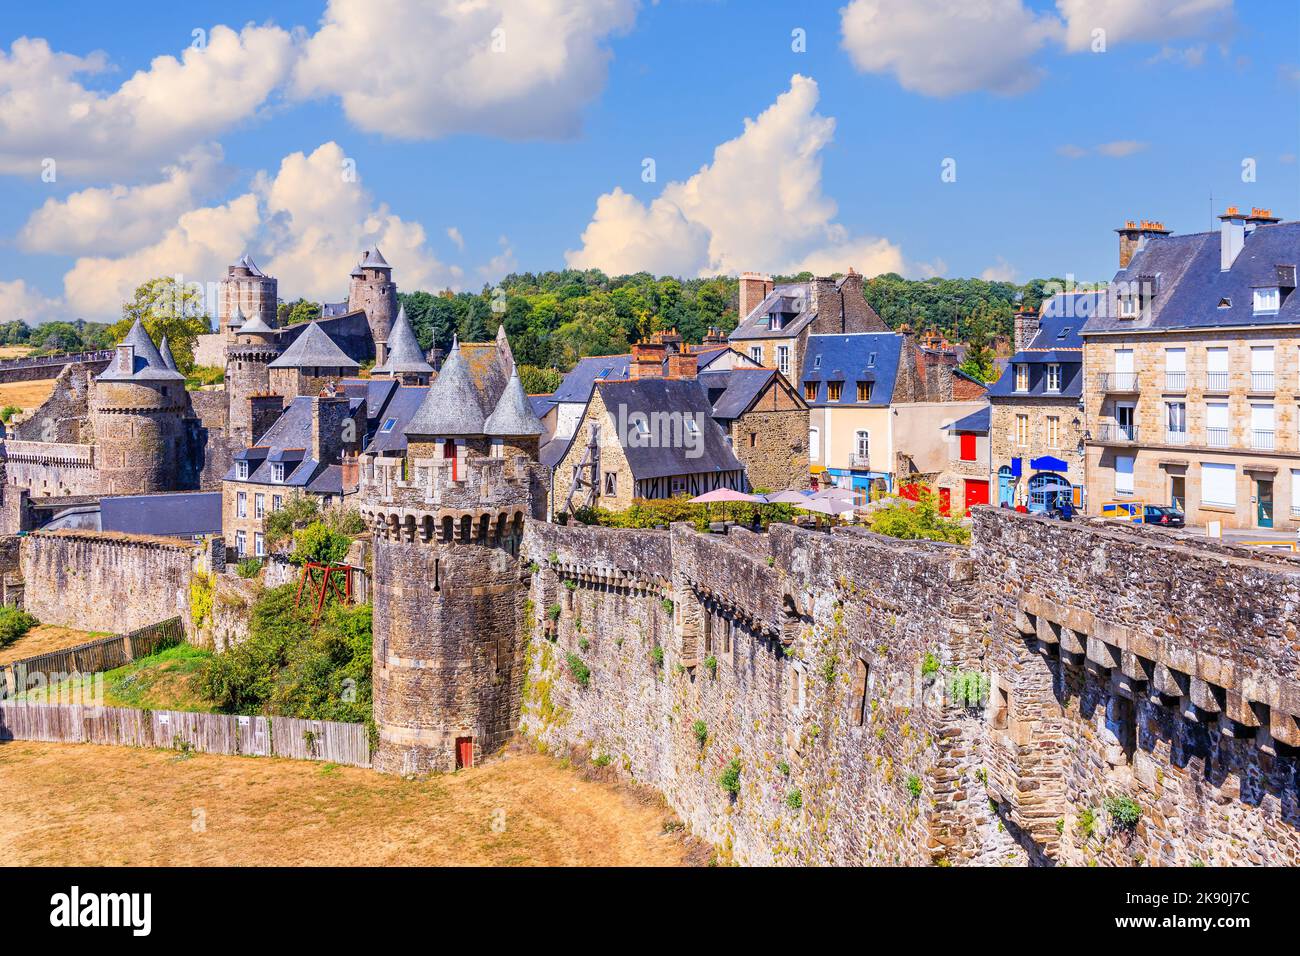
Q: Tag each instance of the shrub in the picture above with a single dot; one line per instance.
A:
(571, 584)
(730, 779)
(794, 799)
(1086, 824)
(657, 656)
(784, 768)
(14, 624)
(298, 511)
(584, 645)
(580, 671)
(648, 513)
(828, 670)
(603, 760)
(929, 666)
(711, 663)
(319, 543)
(249, 567)
(8, 412)
(701, 731)
(1123, 811)
(968, 689)
(914, 786)
(667, 605)
(919, 519)
(553, 612)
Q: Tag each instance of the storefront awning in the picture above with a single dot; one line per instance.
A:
(1048, 463)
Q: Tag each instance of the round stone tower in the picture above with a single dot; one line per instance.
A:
(253, 349)
(372, 290)
(141, 417)
(448, 588)
(249, 292)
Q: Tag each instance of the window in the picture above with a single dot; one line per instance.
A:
(1261, 368)
(859, 698)
(1053, 431)
(1216, 369)
(1022, 378)
(774, 321)
(277, 471)
(1219, 484)
(678, 486)
(611, 483)
(810, 391)
(783, 359)
(871, 360)
(864, 391)
(1053, 378)
(277, 502)
(753, 439)
(967, 444)
(1267, 301)
(1261, 427)
(241, 470)
(692, 426)
(1216, 424)
(756, 353)
(1128, 306)
(1124, 474)
(241, 543)
(862, 447)
(1061, 335)
(259, 505)
(1176, 423)
(1022, 430)
(241, 505)
(814, 443)
(259, 544)
(390, 423)
(797, 684)
(817, 362)
(834, 390)
(498, 448)
(1295, 491)
(1176, 369)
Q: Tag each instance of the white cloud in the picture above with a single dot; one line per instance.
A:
(500, 265)
(1001, 271)
(421, 69)
(757, 205)
(454, 235)
(306, 225)
(120, 218)
(945, 47)
(18, 300)
(949, 47)
(1116, 149)
(46, 112)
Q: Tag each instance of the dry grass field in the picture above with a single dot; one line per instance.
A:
(25, 395)
(80, 804)
(14, 351)
(44, 638)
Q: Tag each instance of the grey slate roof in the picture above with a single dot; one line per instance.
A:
(791, 301)
(314, 349)
(256, 326)
(165, 351)
(541, 404)
(858, 357)
(376, 391)
(177, 515)
(237, 317)
(372, 258)
(712, 453)
(148, 366)
(979, 421)
(513, 415)
(389, 434)
(246, 261)
(576, 386)
(404, 353)
(451, 406)
(733, 392)
(1057, 342)
(286, 442)
(1190, 284)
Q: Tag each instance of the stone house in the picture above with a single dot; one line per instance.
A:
(1037, 427)
(1192, 369)
(964, 483)
(766, 422)
(776, 320)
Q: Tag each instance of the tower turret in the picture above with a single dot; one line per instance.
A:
(372, 290)
(246, 292)
(248, 374)
(405, 361)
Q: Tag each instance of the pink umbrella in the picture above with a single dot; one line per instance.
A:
(787, 498)
(723, 494)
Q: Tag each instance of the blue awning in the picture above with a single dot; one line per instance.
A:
(1015, 468)
(1048, 463)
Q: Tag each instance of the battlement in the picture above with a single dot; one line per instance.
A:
(437, 483)
(62, 454)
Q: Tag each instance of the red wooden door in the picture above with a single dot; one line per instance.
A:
(464, 752)
(967, 446)
(977, 493)
(449, 451)
(945, 501)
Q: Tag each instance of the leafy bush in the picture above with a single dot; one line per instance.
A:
(580, 671)
(968, 689)
(930, 665)
(794, 799)
(14, 624)
(318, 543)
(553, 612)
(249, 567)
(650, 513)
(711, 663)
(584, 645)
(701, 731)
(920, 519)
(730, 779)
(784, 768)
(604, 760)
(8, 412)
(914, 786)
(1123, 811)
(1086, 824)
(657, 656)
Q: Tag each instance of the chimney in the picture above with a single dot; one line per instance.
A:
(329, 421)
(1232, 237)
(351, 473)
(1260, 217)
(714, 336)
(265, 409)
(647, 360)
(754, 288)
(683, 365)
(1133, 235)
(1025, 325)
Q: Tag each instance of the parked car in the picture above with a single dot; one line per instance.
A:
(1166, 516)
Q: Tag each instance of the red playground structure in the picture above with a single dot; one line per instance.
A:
(328, 581)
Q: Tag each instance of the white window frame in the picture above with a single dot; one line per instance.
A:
(259, 544)
(1022, 377)
(241, 470)
(277, 472)
(783, 359)
(241, 505)
(1267, 301)
(259, 505)
(756, 354)
(814, 442)
(1054, 377)
(1221, 468)
(241, 543)
(862, 444)
(1124, 482)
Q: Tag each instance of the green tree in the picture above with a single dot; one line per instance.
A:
(979, 356)
(166, 308)
(539, 381)
(297, 312)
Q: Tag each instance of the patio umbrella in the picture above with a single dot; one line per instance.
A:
(788, 498)
(723, 494)
(847, 493)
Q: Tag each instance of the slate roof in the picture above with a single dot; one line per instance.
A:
(513, 415)
(979, 421)
(553, 452)
(286, 442)
(858, 357)
(732, 392)
(332, 310)
(541, 404)
(246, 261)
(256, 326)
(165, 351)
(388, 437)
(451, 406)
(404, 352)
(148, 366)
(677, 396)
(577, 384)
(1057, 342)
(792, 300)
(237, 318)
(376, 391)
(372, 258)
(186, 514)
(1190, 284)
(314, 349)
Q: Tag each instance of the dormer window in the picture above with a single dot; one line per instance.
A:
(277, 472)
(1053, 378)
(241, 470)
(1225, 303)
(871, 360)
(774, 322)
(1128, 306)
(1267, 301)
(1022, 378)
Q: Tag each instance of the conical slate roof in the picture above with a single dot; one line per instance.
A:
(236, 318)
(314, 349)
(165, 351)
(513, 415)
(372, 258)
(256, 326)
(451, 405)
(404, 354)
(246, 262)
(148, 364)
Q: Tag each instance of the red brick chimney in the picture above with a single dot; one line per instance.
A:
(351, 473)
(1132, 235)
(754, 288)
(683, 365)
(647, 360)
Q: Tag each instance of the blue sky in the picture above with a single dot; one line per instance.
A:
(1038, 191)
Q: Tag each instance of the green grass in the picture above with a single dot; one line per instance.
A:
(162, 681)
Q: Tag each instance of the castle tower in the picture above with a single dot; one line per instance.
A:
(246, 292)
(140, 415)
(311, 364)
(248, 359)
(448, 599)
(405, 361)
(373, 291)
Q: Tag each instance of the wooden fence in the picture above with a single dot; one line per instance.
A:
(91, 657)
(185, 730)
